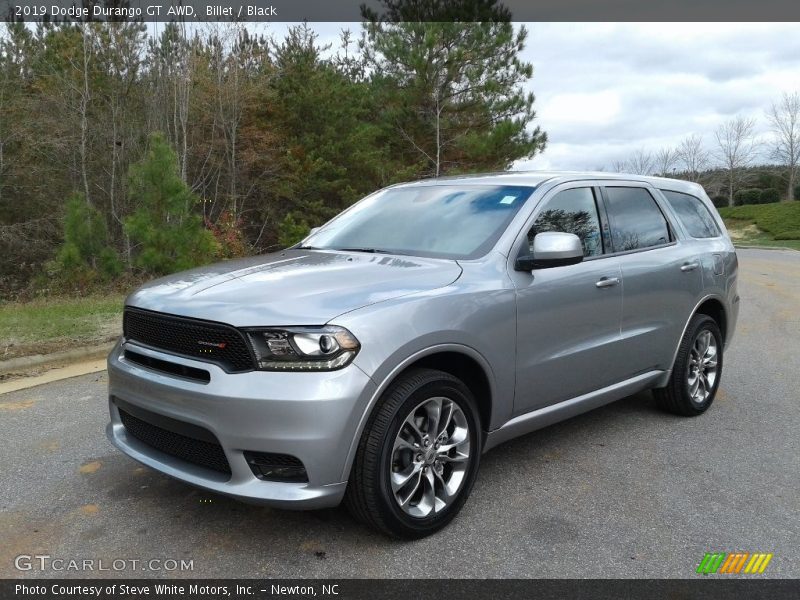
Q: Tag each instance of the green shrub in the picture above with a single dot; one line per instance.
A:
(291, 230)
(797, 192)
(69, 258)
(789, 235)
(747, 196)
(168, 236)
(86, 255)
(719, 201)
(770, 195)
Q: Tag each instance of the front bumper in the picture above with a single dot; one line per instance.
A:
(312, 416)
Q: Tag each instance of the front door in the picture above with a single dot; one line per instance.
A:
(568, 318)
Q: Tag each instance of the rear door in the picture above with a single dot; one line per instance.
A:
(702, 233)
(662, 275)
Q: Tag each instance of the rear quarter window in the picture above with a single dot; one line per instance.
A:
(693, 214)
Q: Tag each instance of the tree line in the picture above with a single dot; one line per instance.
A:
(127, 153)
(728, 164)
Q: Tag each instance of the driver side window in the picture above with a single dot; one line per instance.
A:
(571, 211)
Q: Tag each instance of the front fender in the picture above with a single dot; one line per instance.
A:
(480, 324)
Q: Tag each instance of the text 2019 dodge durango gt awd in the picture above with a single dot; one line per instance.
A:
(375, 361)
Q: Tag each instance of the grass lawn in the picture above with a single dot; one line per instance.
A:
(764, 224)
(49, 325)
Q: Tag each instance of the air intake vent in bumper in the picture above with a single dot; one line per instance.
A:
(202, 452)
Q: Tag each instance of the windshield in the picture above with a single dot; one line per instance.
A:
(436, 221)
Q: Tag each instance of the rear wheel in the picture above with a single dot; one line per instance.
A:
(697, 370)
(418, 456)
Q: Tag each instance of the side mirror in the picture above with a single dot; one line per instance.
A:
(313, 231)
(552, 249)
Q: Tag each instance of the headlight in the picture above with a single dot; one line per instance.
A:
(324, 348)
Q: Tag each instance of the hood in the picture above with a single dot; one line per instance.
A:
(293, 287)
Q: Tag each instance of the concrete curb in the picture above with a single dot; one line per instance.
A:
(764, 248)
(25, 363)
(57, 374)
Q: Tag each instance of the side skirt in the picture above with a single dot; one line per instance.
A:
(548, 415)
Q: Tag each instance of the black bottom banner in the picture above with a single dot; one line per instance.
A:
(372, 589)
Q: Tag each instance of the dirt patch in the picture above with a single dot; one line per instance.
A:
(90, 467)
(109, 332)
(14, 406)
(744, 233)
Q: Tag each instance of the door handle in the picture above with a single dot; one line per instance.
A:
(686, 267)
(607, 282)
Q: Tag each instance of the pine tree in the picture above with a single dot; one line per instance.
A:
(87, 253)
(168, 236)
(453, 79)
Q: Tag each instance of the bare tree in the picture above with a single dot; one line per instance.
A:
(693, 156)
(619, 166)
(736, 149)
(784, 119)
(641, 163)
(84, 108)
(228, 57)
(183, 87)
(119, 53)
(7, 87)
(665, 160)
(172, 75)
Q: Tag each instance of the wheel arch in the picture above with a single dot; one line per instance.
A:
(716, 310)
(460, 361)
(714, 307)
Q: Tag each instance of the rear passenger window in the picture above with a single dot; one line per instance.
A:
(571, 211)
(636, 220)
(693, 214)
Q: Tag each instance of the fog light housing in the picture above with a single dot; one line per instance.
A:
(269, 466)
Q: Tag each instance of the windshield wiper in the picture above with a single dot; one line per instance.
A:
(370, 250)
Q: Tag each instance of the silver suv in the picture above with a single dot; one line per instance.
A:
(375, 361)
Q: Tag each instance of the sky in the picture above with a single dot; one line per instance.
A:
(606, 90)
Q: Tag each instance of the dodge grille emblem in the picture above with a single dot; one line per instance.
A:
(219, 345)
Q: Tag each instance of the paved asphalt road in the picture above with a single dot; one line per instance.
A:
(624, 491)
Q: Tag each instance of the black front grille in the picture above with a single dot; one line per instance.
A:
(202, 340)
(199, 452)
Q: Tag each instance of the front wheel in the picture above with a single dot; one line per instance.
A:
(418, 456)
(697, 370)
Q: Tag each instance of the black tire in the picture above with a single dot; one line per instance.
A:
(675, 396)
(369, 496)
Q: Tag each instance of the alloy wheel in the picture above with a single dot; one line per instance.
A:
(430, 457)
(702, 368)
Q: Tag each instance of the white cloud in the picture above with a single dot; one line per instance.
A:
(605, 90)
(588, 107)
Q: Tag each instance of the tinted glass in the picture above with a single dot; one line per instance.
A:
(693, 214)
(571, 211)
(446, 221)
(636, 220)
